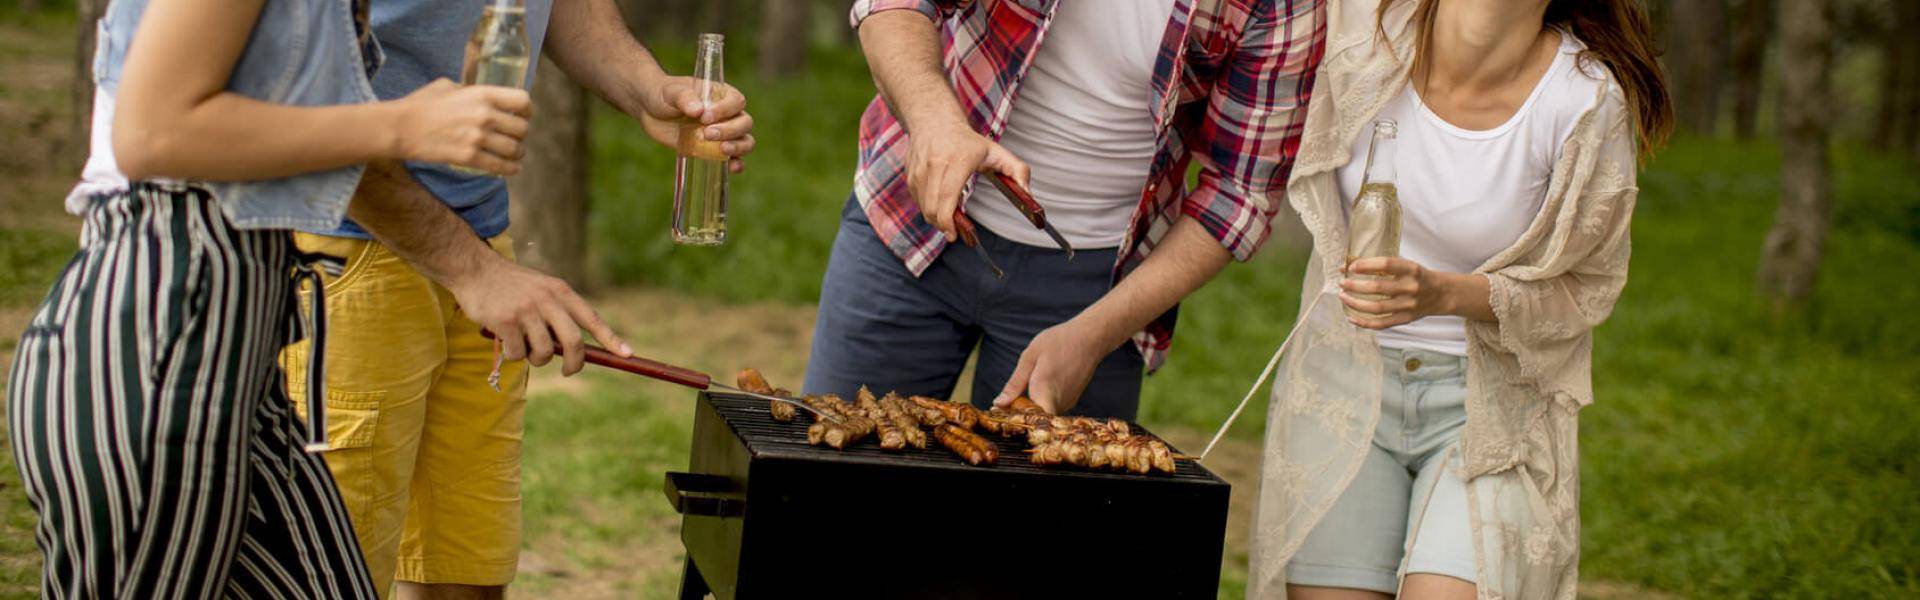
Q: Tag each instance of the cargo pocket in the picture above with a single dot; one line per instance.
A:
(351, 418)
(352, 421)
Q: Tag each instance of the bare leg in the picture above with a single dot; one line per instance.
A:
(1428, 586)
(450, 591)
(1301, 592)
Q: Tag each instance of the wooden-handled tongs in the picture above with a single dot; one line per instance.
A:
(1021, 200)
(1024, 201)
(646, 367)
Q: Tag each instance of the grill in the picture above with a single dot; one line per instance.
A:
(767, 516)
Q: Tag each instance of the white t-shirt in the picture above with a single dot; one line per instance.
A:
(1082, 120)
(1466, 195)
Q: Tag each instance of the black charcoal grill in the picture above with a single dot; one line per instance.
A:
(767, 516)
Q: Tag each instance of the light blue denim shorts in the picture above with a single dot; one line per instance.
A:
(1367, 539)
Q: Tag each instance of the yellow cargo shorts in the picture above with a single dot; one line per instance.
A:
(426, 453)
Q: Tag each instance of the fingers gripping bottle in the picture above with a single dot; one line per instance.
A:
(1373, 223)
(700, 172)
(497, 51)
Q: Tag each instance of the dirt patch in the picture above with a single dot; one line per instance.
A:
(554, 567)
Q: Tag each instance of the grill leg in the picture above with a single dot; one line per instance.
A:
(692, 585)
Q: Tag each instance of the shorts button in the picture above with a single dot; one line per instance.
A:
(1413, 364)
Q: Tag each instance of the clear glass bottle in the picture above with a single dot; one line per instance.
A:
(497, 51)
(1373, 223)
(700, 172)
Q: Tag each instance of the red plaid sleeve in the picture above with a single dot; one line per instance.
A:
(1254, 117)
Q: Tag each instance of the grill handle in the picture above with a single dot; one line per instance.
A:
(699, 495)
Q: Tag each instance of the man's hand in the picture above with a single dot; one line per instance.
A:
(1057, 365)
(942, 160)
(534, 315)
(904, 53)
(673, 103)
(519, 305)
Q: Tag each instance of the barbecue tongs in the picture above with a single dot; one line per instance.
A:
(646, 367)
(1021, 200)
(683, 376)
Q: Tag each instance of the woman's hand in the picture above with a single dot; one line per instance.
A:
(1403, 291)
(476, 126)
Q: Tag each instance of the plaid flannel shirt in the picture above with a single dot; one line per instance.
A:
(1230, 88)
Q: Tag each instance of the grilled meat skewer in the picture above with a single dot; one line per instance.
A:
(955, 413)
(969, 446)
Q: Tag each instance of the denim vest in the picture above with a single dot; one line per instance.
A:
(301, 53)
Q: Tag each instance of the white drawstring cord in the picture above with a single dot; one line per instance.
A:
(1268, 371)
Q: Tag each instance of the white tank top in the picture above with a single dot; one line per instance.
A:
(1082, 120)
(1466, 195)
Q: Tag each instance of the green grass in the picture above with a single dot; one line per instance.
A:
(592, 486)
(1730, 454)
(29, 260)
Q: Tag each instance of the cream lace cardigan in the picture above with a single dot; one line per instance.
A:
(1527, 375)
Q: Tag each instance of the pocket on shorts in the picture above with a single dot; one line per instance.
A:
(352, 418)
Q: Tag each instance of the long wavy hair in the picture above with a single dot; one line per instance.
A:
(1618, 35)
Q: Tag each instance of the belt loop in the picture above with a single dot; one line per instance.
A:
(316, 333)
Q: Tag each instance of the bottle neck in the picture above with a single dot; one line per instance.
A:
(1380, 160)
(709, 61)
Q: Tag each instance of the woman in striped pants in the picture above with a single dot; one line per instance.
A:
(146, 410)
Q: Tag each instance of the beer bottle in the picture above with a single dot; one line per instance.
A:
(700, 171)
(1373, 224)
(497, 52)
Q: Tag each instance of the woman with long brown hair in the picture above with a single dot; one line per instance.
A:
(1421, 436)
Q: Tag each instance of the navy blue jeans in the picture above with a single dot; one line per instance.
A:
(881, 327)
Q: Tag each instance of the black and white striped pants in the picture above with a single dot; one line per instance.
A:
(150, 423)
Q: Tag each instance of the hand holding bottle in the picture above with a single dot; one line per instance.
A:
(674, 114)
(473, 126)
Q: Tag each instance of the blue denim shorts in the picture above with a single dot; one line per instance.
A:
(1369, 538)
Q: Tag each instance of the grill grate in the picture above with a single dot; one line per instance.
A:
(753, 424)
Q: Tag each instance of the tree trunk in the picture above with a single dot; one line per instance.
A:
(1908, 106)
(550, 194)
(1697, 51)
(848, 36)
(81, 92)
(716, 16)
(1752, 27)
(784, 26)
(1790, 261)
(1899, 79)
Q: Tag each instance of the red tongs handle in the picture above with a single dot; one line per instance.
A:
(1021, 198)
(644, 367)
(649, 368)
(963, 225)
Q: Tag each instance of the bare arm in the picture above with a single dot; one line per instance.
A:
(590, 41)
(175, 118)
(530, 312)
(903, 51)
(1056, 366)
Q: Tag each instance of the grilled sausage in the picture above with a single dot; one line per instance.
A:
(968, 446)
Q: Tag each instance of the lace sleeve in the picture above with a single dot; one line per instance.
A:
(1548, 304)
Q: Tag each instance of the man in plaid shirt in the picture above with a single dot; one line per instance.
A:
(1099, 107)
